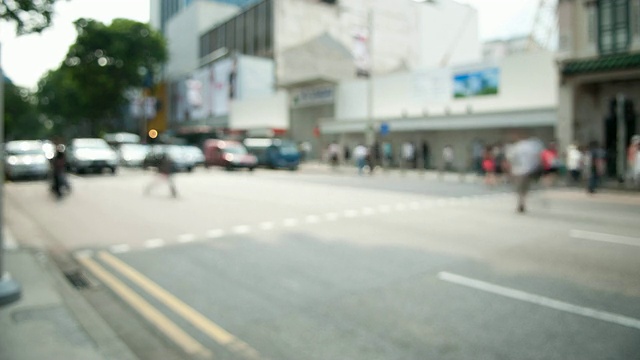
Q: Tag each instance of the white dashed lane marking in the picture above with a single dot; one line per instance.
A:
(266, 225)
(290, 222)
(241, 229)
(185, 238)
(119, 249)
(331, 216)
(154, 243)
(215, 233)
(312, 219)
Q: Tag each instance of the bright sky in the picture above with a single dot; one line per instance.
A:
(26, 58)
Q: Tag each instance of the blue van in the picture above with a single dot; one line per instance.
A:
(274, 153)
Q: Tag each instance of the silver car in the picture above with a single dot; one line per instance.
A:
(91, 154)
(25, 159)
(132, 155)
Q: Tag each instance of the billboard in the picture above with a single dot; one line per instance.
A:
(476, 82)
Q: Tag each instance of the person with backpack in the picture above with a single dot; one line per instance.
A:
(166, 168)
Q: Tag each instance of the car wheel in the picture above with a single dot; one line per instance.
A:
(252, 168)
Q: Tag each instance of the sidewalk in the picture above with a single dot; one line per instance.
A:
(51, 320)
(431, 174)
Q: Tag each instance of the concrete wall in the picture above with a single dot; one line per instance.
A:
(183, 34)
(261, 112)
(256, 77)
(406, 34)
(527, 81)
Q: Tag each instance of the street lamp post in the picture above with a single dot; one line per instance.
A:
(10, 290)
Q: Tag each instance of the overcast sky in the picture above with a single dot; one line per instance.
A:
(26, 58)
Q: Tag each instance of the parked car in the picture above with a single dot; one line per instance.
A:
(132, 155)
(194, 154)
(25, 159)
(274, 153)
(179, 157)
(91, 155)
(229, 154)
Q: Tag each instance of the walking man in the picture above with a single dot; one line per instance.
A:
(525, 166)
(165, 174)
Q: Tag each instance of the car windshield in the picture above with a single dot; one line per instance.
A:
(24, 148)
(91, 144)
(288, 149)
(236, 150)
(134, 148)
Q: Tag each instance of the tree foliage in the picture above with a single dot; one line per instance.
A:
(30, 16)
(90, 85)
(21, 119)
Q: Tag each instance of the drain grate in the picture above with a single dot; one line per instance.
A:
(77, 279)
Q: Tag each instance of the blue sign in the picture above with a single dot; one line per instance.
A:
(384, 128)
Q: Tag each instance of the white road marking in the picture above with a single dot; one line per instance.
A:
(400, 207)
(154, 243)
(414, 205)
(540, 300)
(366, 211)
(83, 254)
(384, 209)
(607, 238)
(9, 241)
(350, 213)
(331, 216)
(185, 238)
(311, 219)
(241, 229)
(266, 225)
(441, 202)
(290, 222)
(215, 233)
(119, 249)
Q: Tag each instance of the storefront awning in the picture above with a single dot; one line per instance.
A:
(602, 64)
(499, 120)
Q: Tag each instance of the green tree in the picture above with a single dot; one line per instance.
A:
(29, 15)
(89, 87)
(21, 119)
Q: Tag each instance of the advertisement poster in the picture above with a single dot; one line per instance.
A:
(223, 85)
(476, 83)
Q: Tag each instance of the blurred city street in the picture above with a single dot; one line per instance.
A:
(321, 264)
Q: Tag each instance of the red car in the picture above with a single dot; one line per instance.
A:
(229, 154)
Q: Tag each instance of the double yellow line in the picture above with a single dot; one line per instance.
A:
(190, 345)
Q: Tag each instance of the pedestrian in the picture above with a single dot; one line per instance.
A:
(347, 153)
(477, 155)
(387, 151)
(632, 158)
(408, 153)
(425, 155)
(636, 165)
(525, 166)
(447, 157)
(373, 158)
(574, 163)
(360, 154)
(59, 178)
(595, 166)
(489, 167)
(334, 154)
(165, 168)
(550, 165)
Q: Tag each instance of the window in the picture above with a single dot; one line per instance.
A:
(613, 26)
(592, 24)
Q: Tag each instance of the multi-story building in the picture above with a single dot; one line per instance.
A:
(599, 64)
(163, 10)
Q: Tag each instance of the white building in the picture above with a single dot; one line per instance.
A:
(455, 106)
(599, 58)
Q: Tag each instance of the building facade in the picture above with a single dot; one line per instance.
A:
(599, 65)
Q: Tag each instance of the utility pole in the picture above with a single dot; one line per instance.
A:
(370, 130)
(10, 290)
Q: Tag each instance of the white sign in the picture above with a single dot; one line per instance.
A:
(433, 86)
(313, 96)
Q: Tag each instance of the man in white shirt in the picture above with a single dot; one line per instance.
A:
(360, 155)
(525, 160)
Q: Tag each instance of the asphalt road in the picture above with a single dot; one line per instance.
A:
(321, 265)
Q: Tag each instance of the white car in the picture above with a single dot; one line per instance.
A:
(25, 159)
(194, 154)
(91, 154)
(132, 155)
